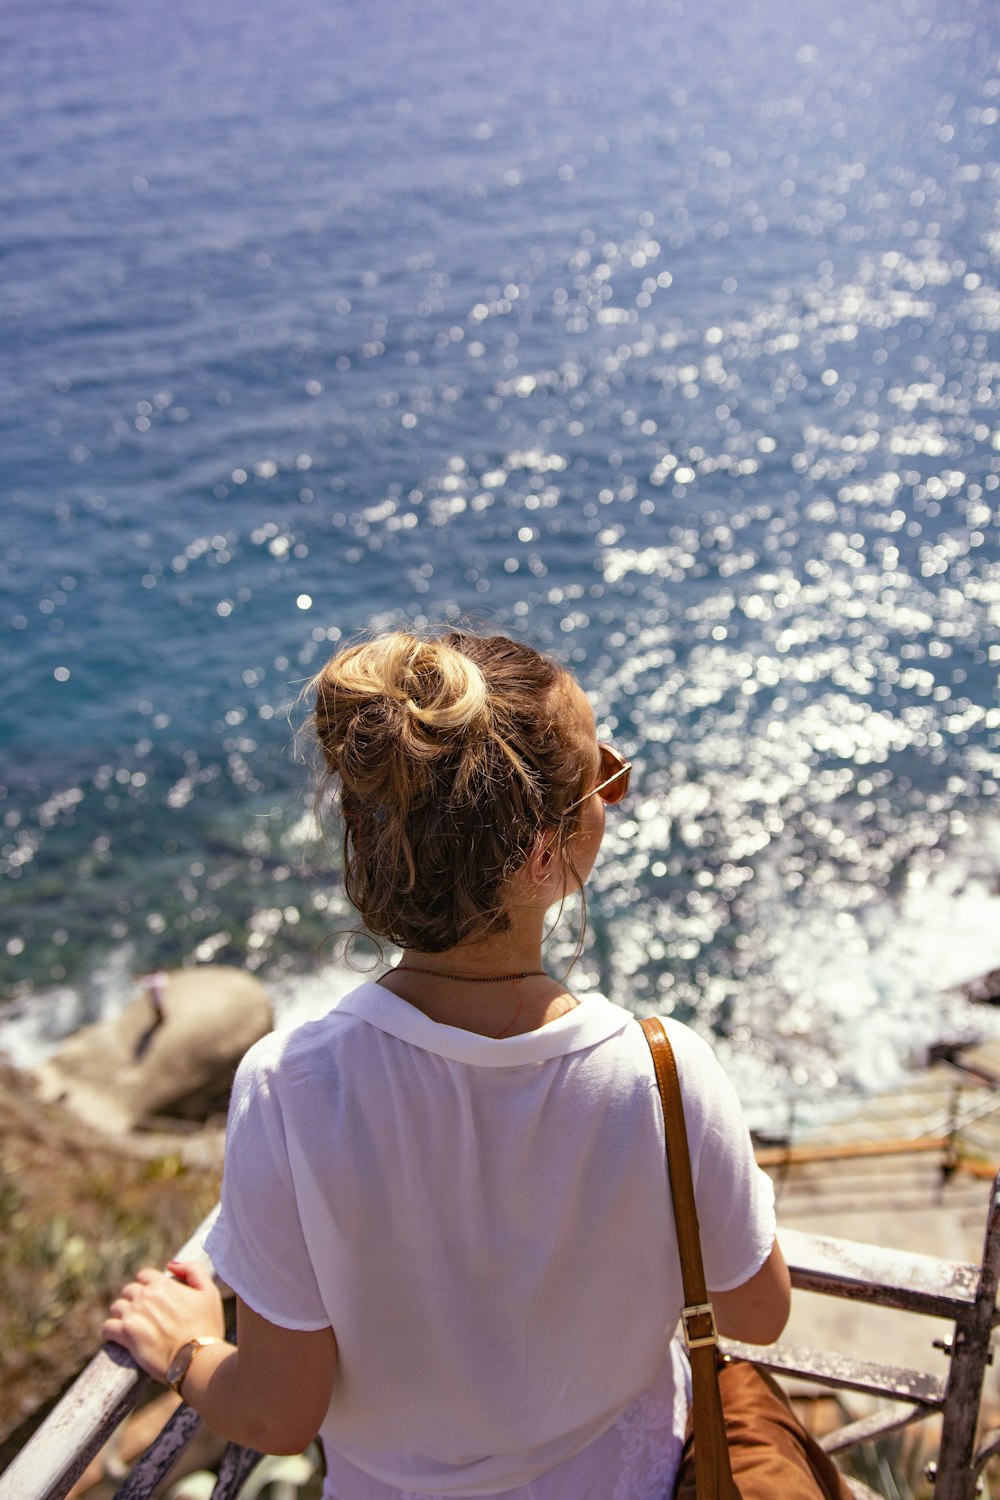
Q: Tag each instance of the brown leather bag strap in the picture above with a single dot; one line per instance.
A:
(713, 1474)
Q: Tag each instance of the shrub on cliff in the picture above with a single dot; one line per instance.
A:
(79, 1213)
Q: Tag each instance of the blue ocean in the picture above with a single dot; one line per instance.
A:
(662, 334)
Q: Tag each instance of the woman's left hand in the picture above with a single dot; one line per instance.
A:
(161, 1310)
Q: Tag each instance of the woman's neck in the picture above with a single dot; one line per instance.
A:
(496, 987)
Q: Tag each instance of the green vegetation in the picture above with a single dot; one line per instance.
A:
(79, 1213)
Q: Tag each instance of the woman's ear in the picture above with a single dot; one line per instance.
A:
(543, 854)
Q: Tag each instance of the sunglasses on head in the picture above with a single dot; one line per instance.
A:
(615, 771)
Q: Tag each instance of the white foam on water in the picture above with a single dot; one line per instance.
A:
(875, 991)
(32, 1027)
(950, 924)
(304, 997)
(830, 1001)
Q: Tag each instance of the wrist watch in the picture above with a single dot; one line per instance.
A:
(181, 1362)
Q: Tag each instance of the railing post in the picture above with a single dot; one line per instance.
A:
(161, 1455)
(955, 1477)
(951, 1150)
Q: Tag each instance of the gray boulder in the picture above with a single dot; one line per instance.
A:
(137, 1066)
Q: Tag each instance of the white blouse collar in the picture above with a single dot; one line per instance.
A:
(592, 1021)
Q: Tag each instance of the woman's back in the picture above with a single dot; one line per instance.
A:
(484, 1222)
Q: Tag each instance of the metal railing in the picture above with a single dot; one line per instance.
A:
(958, 1292)
(961, 1293)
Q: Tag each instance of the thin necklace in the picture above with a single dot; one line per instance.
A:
(479, 979)
(468, 978)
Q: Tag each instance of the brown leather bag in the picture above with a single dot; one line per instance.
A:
(744, 1442)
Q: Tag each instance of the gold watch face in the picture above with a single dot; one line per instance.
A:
(178, 1367)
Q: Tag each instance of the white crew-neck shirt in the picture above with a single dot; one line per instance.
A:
(486, 1225)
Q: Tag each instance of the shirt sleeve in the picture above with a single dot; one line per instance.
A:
(257, 1244)
(735, 1199)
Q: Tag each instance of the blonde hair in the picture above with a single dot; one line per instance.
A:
(448, 757)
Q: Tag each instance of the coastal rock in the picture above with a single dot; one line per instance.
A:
(986, 988)
(138, 1066)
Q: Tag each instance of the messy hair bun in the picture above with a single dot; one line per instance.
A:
(449, 757)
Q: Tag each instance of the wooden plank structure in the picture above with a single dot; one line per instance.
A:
(962, 1294)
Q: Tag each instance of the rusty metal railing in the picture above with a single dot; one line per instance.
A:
(963, 1294)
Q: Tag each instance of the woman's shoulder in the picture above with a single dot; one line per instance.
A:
(686, 1042)
(306, 1046)
(702, 1076)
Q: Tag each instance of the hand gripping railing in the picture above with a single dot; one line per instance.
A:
(963, 1294)
(92, 1409)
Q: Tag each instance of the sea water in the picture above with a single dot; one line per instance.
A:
(663, 335)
